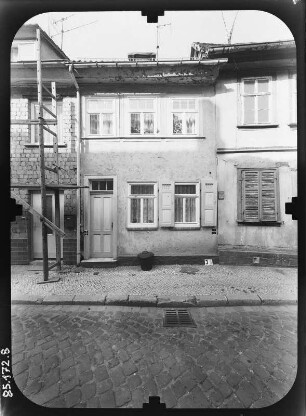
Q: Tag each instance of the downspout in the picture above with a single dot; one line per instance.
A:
(78, 173)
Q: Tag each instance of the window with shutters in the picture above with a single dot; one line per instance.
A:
(142, 205)
(100, 117)
(186, 204)
(48, 137)
(184, 116)
(256, 101)
(141, 116)
(258, 196)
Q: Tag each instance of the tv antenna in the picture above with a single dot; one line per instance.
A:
(157, 37)
(229, 32)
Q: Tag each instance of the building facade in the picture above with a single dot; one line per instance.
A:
(191, 160)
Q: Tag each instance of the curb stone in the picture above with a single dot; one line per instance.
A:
(147, 301)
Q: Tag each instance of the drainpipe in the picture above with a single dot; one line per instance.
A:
(78, 173)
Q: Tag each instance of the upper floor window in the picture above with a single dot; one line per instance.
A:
(256, 100)
(142, 116)
(100, 114)
(23, 51)
(48, 137)
(184, 116)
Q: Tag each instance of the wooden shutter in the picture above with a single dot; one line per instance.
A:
(209, 203)
(268, 196)
(250, 195)
(166, 204)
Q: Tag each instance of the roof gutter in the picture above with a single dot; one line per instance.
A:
(208, 62)
(78, 171)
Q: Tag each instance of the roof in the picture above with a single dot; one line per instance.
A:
(28, 32)
(201, 50)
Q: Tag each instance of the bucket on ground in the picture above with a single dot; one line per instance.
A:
(146, 260)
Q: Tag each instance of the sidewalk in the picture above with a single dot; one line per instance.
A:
(163, 286)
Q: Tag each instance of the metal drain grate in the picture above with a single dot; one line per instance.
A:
(178, 317)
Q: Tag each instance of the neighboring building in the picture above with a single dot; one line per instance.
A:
(26, 243)
(256, 140)
(182, 158)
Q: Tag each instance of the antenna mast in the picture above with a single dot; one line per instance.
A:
(157, 37)
(229, 33)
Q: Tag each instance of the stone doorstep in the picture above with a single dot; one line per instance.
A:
(243, 299)
(176, 302)
(211, 300)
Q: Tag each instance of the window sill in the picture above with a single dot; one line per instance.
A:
(187, 228)
(34, 145)
(261, 224)
(257, 126)
(131, 228)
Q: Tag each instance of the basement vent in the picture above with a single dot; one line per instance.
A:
(178, 318)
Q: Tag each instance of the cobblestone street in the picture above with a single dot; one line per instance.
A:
(111, 356)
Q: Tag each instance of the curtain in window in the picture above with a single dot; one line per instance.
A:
(142, 189)
(135, 123)
(94, 123)
(177, 124)
(107, 124)
(148, 210)
(135, 211)
(148, 119)
(190, 214)
(190, 123)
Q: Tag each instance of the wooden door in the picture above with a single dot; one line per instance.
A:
(37, 231)
(101, 225)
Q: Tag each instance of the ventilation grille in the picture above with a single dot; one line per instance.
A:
(178, 318)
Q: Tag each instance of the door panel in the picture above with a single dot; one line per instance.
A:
(101, 232)
(37, 227)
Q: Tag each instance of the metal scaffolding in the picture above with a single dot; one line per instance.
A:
(56, 187)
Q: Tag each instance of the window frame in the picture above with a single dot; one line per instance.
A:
(256, 94)
(60, 130)
(128, 111)
(154, 196)
(113, 111)
(171, 112)
(197, 197)
(240, 209)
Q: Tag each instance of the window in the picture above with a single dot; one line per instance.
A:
(142, 116)
(48, 137)
(100, 117)
(23, 51)
(102, 185)
(184, 116)
(187, 204)
(256, 99)
(258, 200)
(142, 210)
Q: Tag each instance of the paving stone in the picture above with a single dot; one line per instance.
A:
(52, 377)
(93, 403)
(104, 386)
(117, 376)
(46, 395)
(20, 368)
(35, 371)
(168, 398)
(247, 393)
(58, 402)
(88, 391)
(69, 385)
(33, 388)
(73, 398)
(107, 399)
(233, 403)
(163, 379)
(21, 380)
(129, 368)
(138, 397)
(199, 399)
(178, 389)
(101, 373)
(155, 368)
(133, 381)
(122, 396)
(85, 377)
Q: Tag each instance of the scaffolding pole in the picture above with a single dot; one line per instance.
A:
(42, 158)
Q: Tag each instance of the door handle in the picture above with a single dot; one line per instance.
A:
(85, 232)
